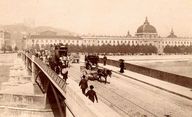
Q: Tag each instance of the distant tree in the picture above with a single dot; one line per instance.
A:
(178, 49)
(3, 49)
(16, 48)
(152, 49)
(167, 49)
(37, 47)
(42, 46)
(47, 47)
(9, 48)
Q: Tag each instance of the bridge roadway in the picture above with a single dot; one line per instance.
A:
(64, 100)
(132, 98)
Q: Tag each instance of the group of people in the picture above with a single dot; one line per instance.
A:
(59, 64)
(91, 94)
(60, 67)
(56, 63)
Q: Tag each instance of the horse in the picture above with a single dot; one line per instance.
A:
(103, 73)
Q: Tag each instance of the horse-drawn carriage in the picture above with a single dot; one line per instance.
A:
(92, 71)
(58, 56)
(63, 50)
(63, 54)
(96, 74)
(91, 61)
(75, 57)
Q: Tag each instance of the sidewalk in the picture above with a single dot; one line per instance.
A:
(79, 102)
(166, 86)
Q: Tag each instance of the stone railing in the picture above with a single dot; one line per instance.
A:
(162, 75)
(50, 73)
(47, 71)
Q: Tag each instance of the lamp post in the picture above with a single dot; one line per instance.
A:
(4, 43)
(23, 43)
(4, 48)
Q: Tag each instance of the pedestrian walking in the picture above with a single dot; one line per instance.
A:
(104, 60)
(83, 84)
(51, 63)
(57, 69)
(64, 72)
(122, 66)
(91, 94)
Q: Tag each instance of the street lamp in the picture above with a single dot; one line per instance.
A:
(4, 48)
(24, 42)
(4, 42)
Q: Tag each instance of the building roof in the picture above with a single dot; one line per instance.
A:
(55, 37)
(48, 33)
(128, 34)
(172, 35)
(146, 28)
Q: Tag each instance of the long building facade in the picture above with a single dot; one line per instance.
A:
(146, 34)
(5, 39)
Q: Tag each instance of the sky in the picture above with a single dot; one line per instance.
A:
(101, 17)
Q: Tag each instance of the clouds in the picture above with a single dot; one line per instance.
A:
(101, 16)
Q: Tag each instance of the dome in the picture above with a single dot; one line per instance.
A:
(172, 35)
(146, 28)
(146, 31)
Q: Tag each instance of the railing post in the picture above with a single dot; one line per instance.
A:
(33, 69)
(27, 61)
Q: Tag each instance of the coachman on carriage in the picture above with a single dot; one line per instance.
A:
(92, 71)
(58, 57)
(62, 54)
(91, 61)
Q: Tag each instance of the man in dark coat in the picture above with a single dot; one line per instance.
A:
(57, 69)
(83, 84)
(104, 60)
(122, 66)
(91, 94)
(51, 63)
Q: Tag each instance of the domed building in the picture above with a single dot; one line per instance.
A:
(146, 34)
(146, 30)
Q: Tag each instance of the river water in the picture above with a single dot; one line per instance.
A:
(177, 64)
(18, 96)
(6, 62)
(183, 68)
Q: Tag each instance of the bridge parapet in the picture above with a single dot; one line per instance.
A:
(29, 55)
(162, 75)
(53, 77)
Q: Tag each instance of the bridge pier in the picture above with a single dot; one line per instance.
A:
(25, 59)
(29, 61)
(56, 101)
